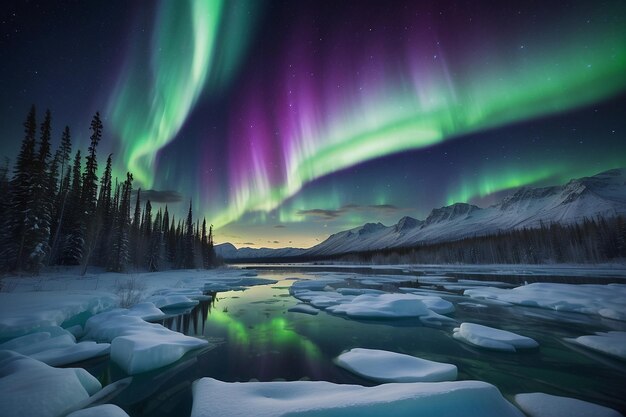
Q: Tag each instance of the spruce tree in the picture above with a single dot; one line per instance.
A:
(105, 213)
(93, 222)
(120, 252)
(155, 249)
(146, 232)
(17, 217)
(204, 245)
(211, 250)
(188, 245)
(75, 230)
(4, 202)
(38, 233)
(59, 211)
(135, 233)
(90, 181)
(4, 187)
(65, 150)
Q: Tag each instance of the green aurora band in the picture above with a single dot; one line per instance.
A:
(400, 117)
(161, 82)
(418, 105)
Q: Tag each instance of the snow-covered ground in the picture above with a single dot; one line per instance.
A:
(42, 317)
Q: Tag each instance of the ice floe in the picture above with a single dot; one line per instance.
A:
(78, 352)
(610, 343)
(24, 312)
(538, 404)
(55, 346)
(490, 338)
(382, 306)
(358, 291)
(32, 388)
(136, 345)
(306, 398)
(472, 305)
(104, 410)
(385, 366)
(304, 308)
(603, 300)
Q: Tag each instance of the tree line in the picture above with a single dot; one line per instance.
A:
(590, 241)
(54, 210)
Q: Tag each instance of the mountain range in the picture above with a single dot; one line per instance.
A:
(601, 195)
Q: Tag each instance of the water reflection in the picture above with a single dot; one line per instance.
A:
(253, 336)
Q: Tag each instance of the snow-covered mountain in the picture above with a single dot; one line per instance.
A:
(230, 252)
(601, 195)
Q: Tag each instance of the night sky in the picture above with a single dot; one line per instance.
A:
(286, 121)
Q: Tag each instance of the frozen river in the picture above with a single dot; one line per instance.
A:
(253, 336)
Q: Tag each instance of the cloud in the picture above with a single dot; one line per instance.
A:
(247, 243)
(326, 214)
(280, 226)
(321, 213)
(384, 207)
(156, 196)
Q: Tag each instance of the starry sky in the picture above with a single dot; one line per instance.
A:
(286, 121)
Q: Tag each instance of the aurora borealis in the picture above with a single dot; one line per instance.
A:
(287, 121)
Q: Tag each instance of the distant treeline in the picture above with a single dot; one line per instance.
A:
(591, 241)
(55, 211)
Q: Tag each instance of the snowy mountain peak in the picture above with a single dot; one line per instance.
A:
(407, 223)
(452, 212)
(526, 194)
(368, 228)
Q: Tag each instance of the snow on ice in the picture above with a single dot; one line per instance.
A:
(304, 308)
(384, 366)
(490, 338)
(610, 343)
(24, 312)
(603, 300)
(105, 410)
(305, 398)
(31, 388)
(538, 404)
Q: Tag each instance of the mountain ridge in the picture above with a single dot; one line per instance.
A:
(600, 195)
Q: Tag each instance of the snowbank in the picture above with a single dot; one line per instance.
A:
(55, 346)
(603, 300)
(490, 338)
(172, 301)
(72, 354)
(384, 366)
(610, 343)
(32, 388)
(24, 312)
(538, 404)
(305, 398)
